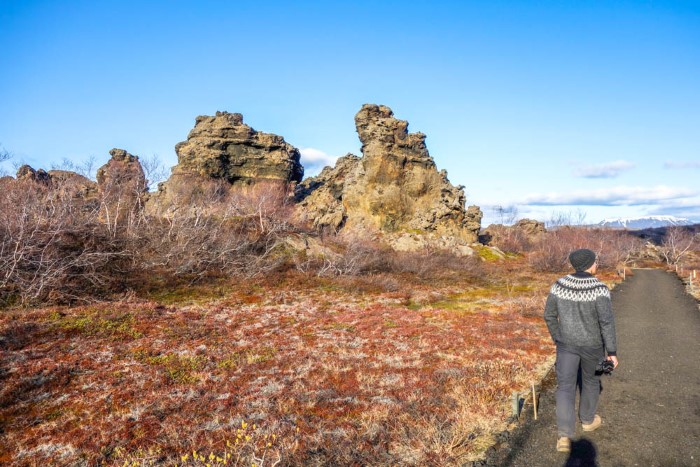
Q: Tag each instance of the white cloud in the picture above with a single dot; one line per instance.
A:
(314, 160)
(682, 165)
(607, 170)
(616, 196)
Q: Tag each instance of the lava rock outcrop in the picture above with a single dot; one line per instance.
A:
(223, 147)
(222, 152)
(394, 188)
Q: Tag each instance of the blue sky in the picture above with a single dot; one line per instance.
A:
(552, 107)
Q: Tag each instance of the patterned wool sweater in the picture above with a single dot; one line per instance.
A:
(579, 312)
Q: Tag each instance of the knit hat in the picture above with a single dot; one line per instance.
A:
(582, 259)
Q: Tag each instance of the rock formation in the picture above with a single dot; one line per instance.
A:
(122, 186)
(518, 235)
(321, 198)
(223, 147)
(71, 183)
(531, 228)
(395, 188)
(63, 177)
(26, 172)
(123, 170)
(123, 173)
(223, 151)
(80, 186)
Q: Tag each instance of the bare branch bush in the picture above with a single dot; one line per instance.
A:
(676, 244)
(617, 248)
(86, 168)
(507, 215)
(4, 156)
(58, 244)
(357, 255)
(121, 203)
(552, 251)
(52, 248)
(434, 263)
(509, 239)
(613, 247)
(215, 230)
(155, 171)
(567, 218)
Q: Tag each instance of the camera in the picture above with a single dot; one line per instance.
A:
(606, 367)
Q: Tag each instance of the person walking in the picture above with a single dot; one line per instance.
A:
(580, 320)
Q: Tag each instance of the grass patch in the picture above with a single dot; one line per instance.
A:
(248, 357)
(466, 301)
(342, 327)
(119, 326)
(487, 254)
(179, 368)
(187, 294)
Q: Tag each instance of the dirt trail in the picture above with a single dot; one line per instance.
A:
(651, 404)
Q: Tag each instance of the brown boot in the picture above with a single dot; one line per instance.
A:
(564, 444)
(594, 425)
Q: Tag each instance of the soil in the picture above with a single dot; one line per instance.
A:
(650, 405)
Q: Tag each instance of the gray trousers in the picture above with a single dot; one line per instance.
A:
(569, 360)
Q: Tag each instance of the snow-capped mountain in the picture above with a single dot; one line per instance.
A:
(634, 223)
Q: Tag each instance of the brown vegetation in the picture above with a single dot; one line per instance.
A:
(58, 245)
(615, 248)
(247, 338)
(54, 249)
(677, 244)
(339, 372)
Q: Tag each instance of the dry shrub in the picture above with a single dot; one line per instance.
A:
(614, 247)
(65, 242)
(431, 264)
(509, 239)
(527, 305)
(52, 247)
(617, 248)
(678, 243)
(122, 192)
(217, 230)
(551, 253)
(355, 256)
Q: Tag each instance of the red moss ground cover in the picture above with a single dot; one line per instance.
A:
(295, 373)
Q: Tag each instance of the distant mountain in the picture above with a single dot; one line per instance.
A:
(648, 222)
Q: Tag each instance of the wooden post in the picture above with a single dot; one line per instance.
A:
(534, 400)
(516, 404)
(691, 277)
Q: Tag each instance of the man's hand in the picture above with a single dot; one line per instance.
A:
(613, 359)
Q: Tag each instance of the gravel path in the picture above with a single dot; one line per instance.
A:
(650, 405)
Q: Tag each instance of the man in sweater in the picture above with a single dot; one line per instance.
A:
(579, 317)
